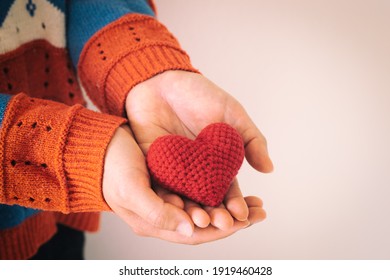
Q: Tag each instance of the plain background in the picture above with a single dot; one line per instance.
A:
(315, 77)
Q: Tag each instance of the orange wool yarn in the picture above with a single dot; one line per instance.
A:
(125, 53)
(42, 71)
(53, 155)
(56, 152)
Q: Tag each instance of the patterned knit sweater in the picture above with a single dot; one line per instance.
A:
(52, 148)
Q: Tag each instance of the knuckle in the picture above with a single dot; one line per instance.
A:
(157, 217)
(139, 232)
(194, 243)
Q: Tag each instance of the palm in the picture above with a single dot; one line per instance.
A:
(161, 107)
(183, 103)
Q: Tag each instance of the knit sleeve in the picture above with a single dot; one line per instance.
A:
(52, 155)
(85, 18)
(123, 53)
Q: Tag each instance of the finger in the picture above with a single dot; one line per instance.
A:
(198, 215)
(134, 193)
(203, 235)
(256, 211)
(256, 150)
(256, 154)
(129, 187)
(220, 217)
(235, 202)
(212, 233)
(135, 222)
(162, 215)
(200, 235)
(253, 201)
(150, 120)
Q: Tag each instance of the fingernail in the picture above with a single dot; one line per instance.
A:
(185, 229)
(246, 224)
(271, 164)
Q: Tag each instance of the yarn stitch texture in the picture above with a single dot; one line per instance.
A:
(200, 169)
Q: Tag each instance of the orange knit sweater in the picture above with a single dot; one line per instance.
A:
(52, 148)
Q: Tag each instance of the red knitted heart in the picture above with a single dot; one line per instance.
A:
(200, 169)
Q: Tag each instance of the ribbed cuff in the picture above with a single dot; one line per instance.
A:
(86, 221)
(125, 53)
(52, 155)
(23, 241)
(87, 139)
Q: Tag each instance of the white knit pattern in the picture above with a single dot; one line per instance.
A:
(20, 27)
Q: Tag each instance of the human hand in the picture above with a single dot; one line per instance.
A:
(183, 103)
(127, 190)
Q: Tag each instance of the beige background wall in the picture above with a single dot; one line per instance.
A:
(315, 77)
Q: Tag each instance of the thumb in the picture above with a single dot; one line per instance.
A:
(256, 151)
(162, 215)
(127, 189)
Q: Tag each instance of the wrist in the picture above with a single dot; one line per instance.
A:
(123, 160)
(88, 139)
(124, 54)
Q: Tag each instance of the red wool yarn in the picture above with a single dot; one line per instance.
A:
(201, 169)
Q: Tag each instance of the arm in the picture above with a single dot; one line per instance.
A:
(123, 57)
(134, 47)
(52, 155)
(70, 159)
(117, 45)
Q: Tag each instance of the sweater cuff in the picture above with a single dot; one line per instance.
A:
(87, 139)
(125, 53)
(53, 155)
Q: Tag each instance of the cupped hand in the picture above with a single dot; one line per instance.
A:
(127, 190)
(183, 103)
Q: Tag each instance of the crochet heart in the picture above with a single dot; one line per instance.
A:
(201, 169)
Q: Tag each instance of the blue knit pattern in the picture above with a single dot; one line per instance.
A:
(13, 215)
(60, 4)
(4, 99)
(5, 5)
(86, 17)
